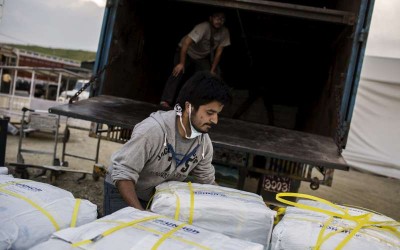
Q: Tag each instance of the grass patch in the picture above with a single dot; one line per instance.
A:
(79, 55)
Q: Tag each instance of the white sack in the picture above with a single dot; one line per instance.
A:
(236, 213)
(22, 225)
(3, 170)
(143, 235)
(299, 229)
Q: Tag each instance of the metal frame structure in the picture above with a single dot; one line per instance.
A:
(15, 102)
(40, 120)
(98, 169)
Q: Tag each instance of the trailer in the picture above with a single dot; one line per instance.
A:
(293, 66)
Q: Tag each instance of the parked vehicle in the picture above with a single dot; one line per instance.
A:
(292, 64)
(66, 95)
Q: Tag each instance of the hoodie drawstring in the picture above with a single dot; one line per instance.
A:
(202, 154)
(201, 141)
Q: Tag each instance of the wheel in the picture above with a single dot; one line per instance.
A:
(20, 159)
(53, 177)
(95, 176)
(24, 173)
(56, 162)
(98, 170)
(314, 185)
(66, 136)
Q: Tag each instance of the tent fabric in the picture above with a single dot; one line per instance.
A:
(374, 140)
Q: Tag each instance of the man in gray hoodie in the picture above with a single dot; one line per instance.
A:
(168, 146)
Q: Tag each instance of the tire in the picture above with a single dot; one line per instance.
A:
(67, 134)
(56, 162)
(314, 185)
(95, 176)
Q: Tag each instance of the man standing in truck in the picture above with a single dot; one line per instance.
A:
(201, 49)
(168, 145)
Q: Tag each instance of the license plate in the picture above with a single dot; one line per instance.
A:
(276, 184)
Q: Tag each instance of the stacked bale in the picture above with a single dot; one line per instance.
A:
(235, 213)
(31, 211)
(130, 228)
(319, 224)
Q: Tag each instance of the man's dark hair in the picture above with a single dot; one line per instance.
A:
(203, 88)
(216, 10)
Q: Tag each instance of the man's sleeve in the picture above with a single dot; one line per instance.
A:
(204, 172)
(129, 161)
(198, 32)
(226, 39)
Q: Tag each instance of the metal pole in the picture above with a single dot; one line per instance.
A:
(56, 139)
(3, 140)
(21, 134)
(98, 148)
(32, 91)
(13, 90)
(14, 82)
(1, 77)
(59, 85)
(67, 88)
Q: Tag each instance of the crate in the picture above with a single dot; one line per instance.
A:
(110, 133)
(43, 122)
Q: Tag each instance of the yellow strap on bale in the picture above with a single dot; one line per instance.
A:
(114, 229)
(33, 204)
(362, 221)
(166, 236)
(191, 207)
(134, 224)
(75, 213)
(191, 212)
(178, 206)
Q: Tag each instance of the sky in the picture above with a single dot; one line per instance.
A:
(70, 24)
(77, 24)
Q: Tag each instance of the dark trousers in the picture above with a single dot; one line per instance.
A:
(173, 84)
(5, 87)
(113, 200)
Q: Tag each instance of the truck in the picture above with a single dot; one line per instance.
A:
(67, 94)
(293, 67)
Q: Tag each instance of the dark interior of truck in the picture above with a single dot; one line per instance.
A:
(282, 65)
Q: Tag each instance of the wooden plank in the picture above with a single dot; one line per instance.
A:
(229, 133)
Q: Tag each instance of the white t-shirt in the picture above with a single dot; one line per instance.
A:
(201, 34)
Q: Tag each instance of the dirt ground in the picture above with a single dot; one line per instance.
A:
(355, 188)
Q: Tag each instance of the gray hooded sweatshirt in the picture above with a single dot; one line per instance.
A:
(147, 158)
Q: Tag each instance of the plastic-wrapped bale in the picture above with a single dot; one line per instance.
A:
(130, 228)
(236, 213)
(31, 211)
(3, 171)
(320, 224)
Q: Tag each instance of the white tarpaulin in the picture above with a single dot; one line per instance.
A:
(374, 138)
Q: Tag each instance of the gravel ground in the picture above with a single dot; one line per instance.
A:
(355, 188)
